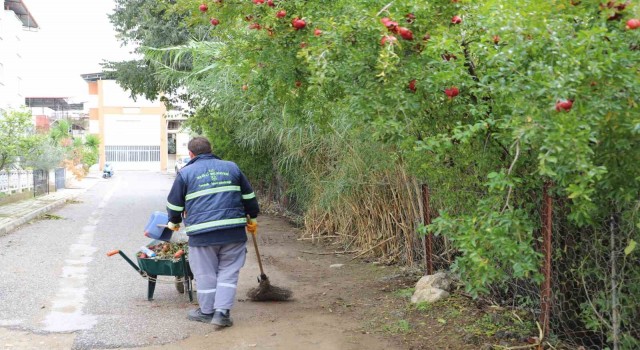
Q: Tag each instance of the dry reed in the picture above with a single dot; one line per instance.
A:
(379, 220)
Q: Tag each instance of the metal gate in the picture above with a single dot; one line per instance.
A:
(60, 176)
(40, 182)
(132, 153)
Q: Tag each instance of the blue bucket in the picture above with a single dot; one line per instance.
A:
(154, 231)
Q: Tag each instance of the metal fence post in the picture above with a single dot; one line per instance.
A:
(545, 291)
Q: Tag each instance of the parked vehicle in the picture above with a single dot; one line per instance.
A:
(107, 172)
(181, 161)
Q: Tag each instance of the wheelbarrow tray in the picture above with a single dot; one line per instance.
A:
(163, 267)
(151, 268)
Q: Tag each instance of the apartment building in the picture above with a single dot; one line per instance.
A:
(15, 19)
(133, 134)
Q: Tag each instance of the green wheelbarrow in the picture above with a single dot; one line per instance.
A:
(151, 268)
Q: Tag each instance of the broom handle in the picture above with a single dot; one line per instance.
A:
(255, 245)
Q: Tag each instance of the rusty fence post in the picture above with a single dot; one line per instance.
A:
(428, 240)
(545, 290)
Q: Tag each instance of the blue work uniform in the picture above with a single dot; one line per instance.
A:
(213, 198)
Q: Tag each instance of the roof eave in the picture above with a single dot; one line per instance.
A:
(22, 12)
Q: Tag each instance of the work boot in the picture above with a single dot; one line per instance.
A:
(222, 318)
(198, 315)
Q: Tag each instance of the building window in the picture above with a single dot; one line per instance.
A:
(174, 124)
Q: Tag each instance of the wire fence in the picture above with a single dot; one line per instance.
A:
(590, 294)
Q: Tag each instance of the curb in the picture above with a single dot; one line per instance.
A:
(32, 215)
(37, 212)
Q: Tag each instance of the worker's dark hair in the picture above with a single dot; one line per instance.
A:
(199, 145)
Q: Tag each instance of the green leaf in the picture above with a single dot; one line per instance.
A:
(630, 248)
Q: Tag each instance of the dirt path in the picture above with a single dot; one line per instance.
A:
(322, 315)
(358, 305)
(318, 318)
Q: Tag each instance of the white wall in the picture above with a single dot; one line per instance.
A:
(132, 130)
(182, 140)
(11, 63)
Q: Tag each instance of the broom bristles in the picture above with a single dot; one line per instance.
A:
(266, 292)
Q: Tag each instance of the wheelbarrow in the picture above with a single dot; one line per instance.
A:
(151, 268)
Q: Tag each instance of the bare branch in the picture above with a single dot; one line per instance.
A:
(595, 311)
(513, 163)
(384, 8)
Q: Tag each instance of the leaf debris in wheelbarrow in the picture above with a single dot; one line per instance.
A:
(165, 250)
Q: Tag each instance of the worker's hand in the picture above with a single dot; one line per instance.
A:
(172, 226)
(252, 226)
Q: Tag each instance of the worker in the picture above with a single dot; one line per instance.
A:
(214, 198)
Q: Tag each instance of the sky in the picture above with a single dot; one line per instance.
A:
(74, 37)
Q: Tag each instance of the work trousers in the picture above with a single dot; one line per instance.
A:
(216, 269)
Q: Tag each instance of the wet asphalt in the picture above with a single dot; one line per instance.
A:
(57, 278)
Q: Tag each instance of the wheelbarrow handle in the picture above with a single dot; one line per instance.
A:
(126, 258)
(113, 252)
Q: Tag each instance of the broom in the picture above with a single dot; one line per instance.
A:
(265, 291)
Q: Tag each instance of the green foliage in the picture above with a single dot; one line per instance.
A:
(17, 140)
(424, 306)
(90, 150)
(329, 115)
(504, 322)
(59, 131)
(135, 76)
(255, 163)
(404, 293)
(45, 154)
(16, 136)
(92, 141)
(148, 23)
(402, 326)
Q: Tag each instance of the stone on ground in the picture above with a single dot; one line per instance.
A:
(432, 288)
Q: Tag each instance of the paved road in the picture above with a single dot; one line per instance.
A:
(60, 291)
(58, 279)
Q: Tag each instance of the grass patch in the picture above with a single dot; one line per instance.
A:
(502, 323)
(454, 313)
(424, 306)
(52, 217)
(73, 201)
(402, 326)
(405, 293)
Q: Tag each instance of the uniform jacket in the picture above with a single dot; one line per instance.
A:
(211, 194)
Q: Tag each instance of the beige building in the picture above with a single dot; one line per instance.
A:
(133, 134)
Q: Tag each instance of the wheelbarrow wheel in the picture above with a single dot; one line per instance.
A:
(179, 285)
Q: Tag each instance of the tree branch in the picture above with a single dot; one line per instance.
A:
(386, 7)
(513, 163)
(471, 67)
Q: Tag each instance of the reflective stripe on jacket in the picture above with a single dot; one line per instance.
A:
(213, 193)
